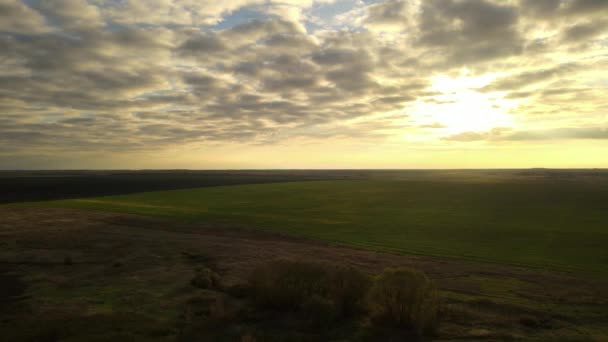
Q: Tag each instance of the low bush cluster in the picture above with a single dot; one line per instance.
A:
(398, 298)
(331, 291)
(205, 278)
(406, 298)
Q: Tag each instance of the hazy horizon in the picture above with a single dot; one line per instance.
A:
(320, 169)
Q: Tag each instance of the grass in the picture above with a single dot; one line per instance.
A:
(556, 224)
(130, 279)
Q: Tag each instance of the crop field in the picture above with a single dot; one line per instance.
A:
(559, 224)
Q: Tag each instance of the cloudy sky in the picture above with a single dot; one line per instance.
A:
(303, 83)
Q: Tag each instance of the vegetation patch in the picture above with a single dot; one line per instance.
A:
(548, 223)
(405, 298)
(401, 300)
(205, 278)
(327, 290)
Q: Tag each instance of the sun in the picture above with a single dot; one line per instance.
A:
(460, 106)
(471, 111)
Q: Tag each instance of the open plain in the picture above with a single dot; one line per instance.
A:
(76, 267)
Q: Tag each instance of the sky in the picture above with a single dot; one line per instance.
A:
(239, 84)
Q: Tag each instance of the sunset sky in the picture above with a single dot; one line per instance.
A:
(303, 84)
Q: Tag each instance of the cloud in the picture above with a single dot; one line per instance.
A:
(392, 15)
(541, 8)
(565, 133)
(433, 125)
(470, 30)
(17, 17)
(178, 13)
(202, 44)
(562, 8)
(73, 15)
(526, 78)
(140, 75)
(584, 31)
(585, 6)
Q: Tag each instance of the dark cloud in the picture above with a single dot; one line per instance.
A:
(289, 42)
(584, 31)
(17, 17)
(246, 68)
(540, 8)
(202, 43)
(338, 56)
(586, 6)
(560, 133)
(548, 9)
(202, 82)
(347, 69)
(395, 99)
(523, 79)
(298, 82)
(72, 15)
(470, 30)
(519, 94)
(290, 65)
(257, 29)
(560, 91)
(392, 12)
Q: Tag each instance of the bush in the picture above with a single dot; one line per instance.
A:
(319, 311)
(330, 291)
(348, 289)
(205, 279)
(285, 284)
(407, 299)
(535, 323)
(248, 338)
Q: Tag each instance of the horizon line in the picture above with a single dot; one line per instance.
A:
(315, 169)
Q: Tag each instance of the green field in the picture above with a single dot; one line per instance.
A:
(548, 223)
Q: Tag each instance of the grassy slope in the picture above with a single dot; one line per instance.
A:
(547, 223)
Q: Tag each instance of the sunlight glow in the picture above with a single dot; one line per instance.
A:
(460, 105)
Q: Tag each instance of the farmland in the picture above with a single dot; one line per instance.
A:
(516, 254)
(545, 223)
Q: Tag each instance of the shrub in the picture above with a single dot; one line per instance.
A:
(285, 284)
(329, 291)
(248, 338)
(205, 279)
(319, 311)
(348, 289)
(223, 308)
(535, 323)
(405, 298)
